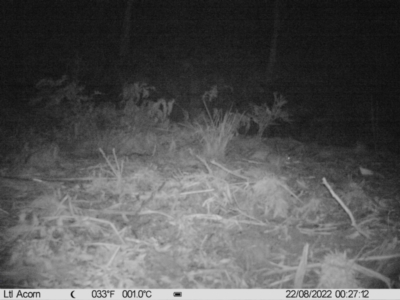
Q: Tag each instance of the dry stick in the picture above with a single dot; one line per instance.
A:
(46, 179)
(1, 210)
(110, 224)
(302, 268)
(229, 171)
(113, 256)
(118, 168)
(204, 163)
(346, 209)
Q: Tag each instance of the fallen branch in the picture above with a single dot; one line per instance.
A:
(346, 209)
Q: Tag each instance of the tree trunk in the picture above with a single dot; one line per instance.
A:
(126, 32)
(272, 60)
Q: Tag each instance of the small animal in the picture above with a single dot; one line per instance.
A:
(277, 159)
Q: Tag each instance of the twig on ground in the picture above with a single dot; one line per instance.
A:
(346, 209)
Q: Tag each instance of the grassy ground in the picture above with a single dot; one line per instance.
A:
(169, 208)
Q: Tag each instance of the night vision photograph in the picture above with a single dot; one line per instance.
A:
(200, 144)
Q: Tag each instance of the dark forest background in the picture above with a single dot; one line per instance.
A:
(337, 62)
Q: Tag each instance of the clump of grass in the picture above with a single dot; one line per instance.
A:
(216, 131)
